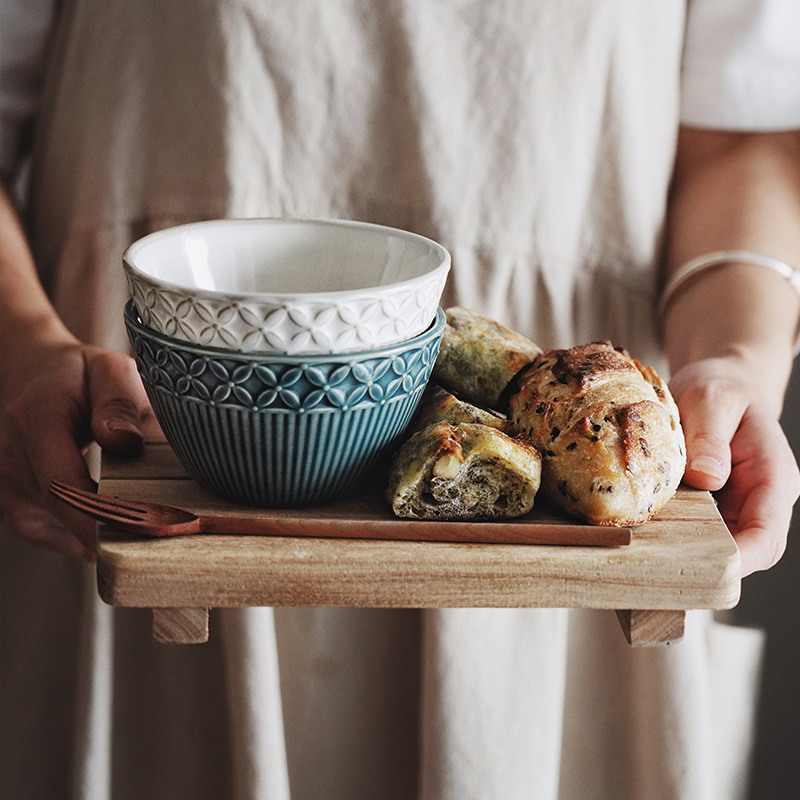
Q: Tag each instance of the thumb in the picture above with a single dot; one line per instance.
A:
(709, 422)
(117, 399)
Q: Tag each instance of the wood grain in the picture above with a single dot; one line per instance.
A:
(365, 516)
(648, 628)
(180, 625)
(683, 559)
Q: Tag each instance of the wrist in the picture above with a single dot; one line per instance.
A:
(740, 313)
(721, 258)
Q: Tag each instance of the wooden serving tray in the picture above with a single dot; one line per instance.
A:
(683, 559)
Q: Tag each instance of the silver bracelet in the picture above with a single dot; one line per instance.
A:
(718, 258)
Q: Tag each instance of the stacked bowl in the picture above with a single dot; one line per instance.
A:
(283, 358)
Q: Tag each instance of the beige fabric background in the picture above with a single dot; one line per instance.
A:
(534, 140)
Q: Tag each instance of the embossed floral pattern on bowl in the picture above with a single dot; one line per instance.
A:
(321, 299)
(275, 430)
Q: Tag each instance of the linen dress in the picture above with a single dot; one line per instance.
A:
(535, 141)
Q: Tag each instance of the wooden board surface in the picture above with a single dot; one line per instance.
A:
(683, 559)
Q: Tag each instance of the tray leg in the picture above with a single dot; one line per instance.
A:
(180, 625)
(652, 627)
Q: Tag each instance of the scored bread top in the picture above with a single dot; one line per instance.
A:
(608, 429)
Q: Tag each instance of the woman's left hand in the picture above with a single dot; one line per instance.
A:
(737, 449)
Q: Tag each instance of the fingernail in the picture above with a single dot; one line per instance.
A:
(120, 425)
(707, 466)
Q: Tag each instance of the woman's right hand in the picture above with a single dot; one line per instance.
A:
(71, 396)
(736, 448)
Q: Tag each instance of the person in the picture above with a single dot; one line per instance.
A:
(572, 157)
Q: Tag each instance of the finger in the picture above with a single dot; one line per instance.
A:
(709, 419)
(25, 514)
(28, 502)
(43, 441)
(42, 529)
(758, 499)
(117, 399)
(760, 518)
(761, 532)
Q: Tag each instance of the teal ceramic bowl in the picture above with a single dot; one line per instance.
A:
(278, 430)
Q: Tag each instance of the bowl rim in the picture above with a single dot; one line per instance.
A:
(284, 298)
(133, 320)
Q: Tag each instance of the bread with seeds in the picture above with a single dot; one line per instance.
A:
(464, 472)
(609, 431)
(478, 356)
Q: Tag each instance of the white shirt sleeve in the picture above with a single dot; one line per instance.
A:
(741, 65)
(24, 25)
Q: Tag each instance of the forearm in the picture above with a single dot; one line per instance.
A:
(735, 192)
(28, 321)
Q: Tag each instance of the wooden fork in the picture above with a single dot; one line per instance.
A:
(147, 519)
(152, 519)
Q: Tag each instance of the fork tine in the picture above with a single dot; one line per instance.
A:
(94, 501)
(94, 498)
(81, 501)
(101, 511)
(82, 506)
(97, 504)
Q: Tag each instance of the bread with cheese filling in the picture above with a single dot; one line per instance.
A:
(466, 471)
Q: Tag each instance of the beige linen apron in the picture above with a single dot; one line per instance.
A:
(534, 139)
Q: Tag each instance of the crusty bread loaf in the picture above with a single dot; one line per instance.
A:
(463, 472)
(439, 405)
(478, 356)
(608, 429)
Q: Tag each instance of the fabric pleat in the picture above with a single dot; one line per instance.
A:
(534, 140)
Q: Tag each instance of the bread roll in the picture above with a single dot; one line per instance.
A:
(608, 429)
(463, 472)
(439, 405)
(478, 356)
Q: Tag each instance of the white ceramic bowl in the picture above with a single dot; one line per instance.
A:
(287, 285)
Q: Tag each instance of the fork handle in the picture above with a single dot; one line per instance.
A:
(496, 532)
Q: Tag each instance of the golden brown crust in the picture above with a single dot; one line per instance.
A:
(463, 472)
(439, 405)
(478, 356)
(608, 430)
